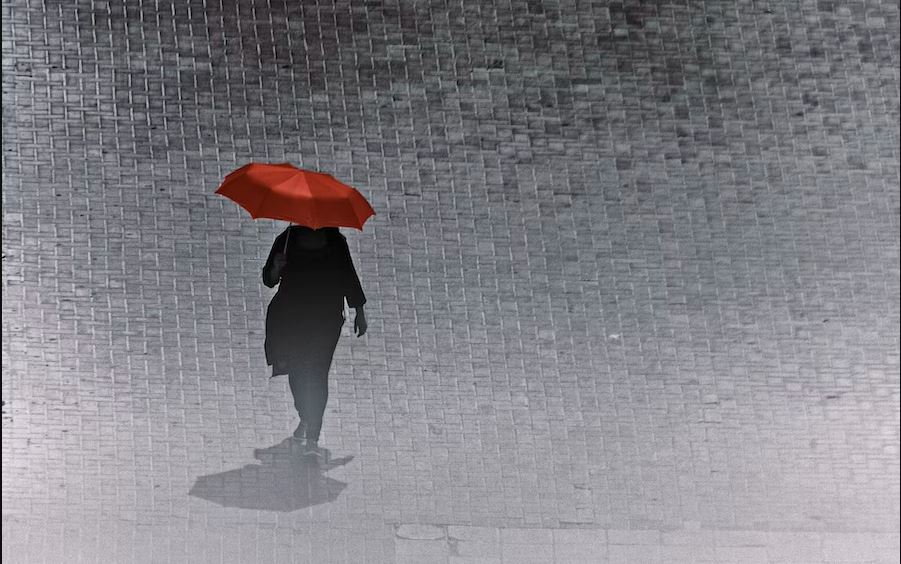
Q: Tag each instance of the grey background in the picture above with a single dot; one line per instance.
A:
(634, 268)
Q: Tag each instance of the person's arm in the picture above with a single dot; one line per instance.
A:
(353, 291)
(271, 273)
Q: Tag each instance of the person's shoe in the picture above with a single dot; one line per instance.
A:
(312, 447)
(301, 431)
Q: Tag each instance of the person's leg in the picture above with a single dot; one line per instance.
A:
(316, 389)
(316, 383)
(319, 381)
(294, 381)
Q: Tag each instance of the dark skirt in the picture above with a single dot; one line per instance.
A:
(299, 338)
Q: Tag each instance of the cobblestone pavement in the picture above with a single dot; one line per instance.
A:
(633, 281)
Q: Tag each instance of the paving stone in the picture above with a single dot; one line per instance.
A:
(527, 553)
(686, 553)
(413, 551)
(742, 554)
(887, 540)
(626, 536)
(688, 538)
(794, 547)
(579, 538)
(510, 537)
(740, 538)
(473, 560)
(474, 534)
(848, 547)
(623, 553)
(566, 553)
(419, 531)
(475, 549)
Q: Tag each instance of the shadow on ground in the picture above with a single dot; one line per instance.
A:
(286, 480)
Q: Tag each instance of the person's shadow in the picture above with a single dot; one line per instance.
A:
(286, 480)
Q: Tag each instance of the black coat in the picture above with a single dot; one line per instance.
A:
(310, 299)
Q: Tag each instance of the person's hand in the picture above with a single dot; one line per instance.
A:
(360, 324)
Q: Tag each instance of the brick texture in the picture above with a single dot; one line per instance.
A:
(635, 266)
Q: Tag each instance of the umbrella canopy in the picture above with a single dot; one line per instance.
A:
(283, 191)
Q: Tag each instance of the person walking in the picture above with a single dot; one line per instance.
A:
(315, 274)
(311, 264)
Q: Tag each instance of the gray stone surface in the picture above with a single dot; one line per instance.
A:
(634, 270)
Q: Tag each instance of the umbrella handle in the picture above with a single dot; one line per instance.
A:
(286, 240)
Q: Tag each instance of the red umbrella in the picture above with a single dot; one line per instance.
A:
(283, 191)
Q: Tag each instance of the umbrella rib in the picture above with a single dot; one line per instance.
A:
(260, 203)
(272, 189)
